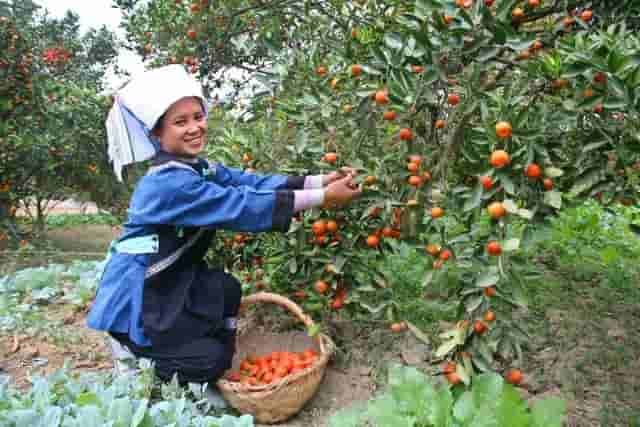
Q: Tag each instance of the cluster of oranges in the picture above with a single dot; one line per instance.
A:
(418, 175)
(322, 228)
(440, 254)
(272, 367)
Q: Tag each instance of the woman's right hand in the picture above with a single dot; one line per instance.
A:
(341, 192)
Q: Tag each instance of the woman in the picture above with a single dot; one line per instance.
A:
(157, 297)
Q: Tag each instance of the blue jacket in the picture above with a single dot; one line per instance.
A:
(173, 205)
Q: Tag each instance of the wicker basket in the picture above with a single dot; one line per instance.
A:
(278, 401)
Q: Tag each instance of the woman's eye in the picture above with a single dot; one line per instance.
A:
(180, 123)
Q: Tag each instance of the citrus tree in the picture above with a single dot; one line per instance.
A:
(470, 122)
(52, 140)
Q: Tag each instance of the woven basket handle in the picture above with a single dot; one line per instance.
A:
(285, 303)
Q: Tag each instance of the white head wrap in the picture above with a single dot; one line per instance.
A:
(137, 108)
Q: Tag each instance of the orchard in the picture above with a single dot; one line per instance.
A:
(473, 125)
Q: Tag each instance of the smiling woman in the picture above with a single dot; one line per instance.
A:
(182, 130)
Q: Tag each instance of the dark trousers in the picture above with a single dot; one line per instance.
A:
(199, 360)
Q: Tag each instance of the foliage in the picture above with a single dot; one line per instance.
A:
(97, 400)
(49, 107)
(412, 399)
(446, 107)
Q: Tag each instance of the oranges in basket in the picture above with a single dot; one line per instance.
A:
(272, 367)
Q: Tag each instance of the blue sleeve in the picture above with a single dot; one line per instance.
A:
(236, 177)
(183, 198)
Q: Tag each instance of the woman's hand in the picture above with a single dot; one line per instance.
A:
(341, 192)
(336, 175)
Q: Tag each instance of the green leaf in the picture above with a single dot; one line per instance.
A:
(512, 410)
(84, 399)
(393, 41)
(464, 408)
(487, 389)
(511, 245)
(446, 348)
(487, 280)
(510, 206)
(475, 199)
(553, 198)
(553, 172)
(487, 53)
(548, 412)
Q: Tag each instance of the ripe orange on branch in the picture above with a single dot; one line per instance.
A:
(321, 286)
(319, 227)
(321, 71)
(330, 157)
(547, 183)
(489, 292)
(440, 124)
(389, 115)
(453, 99)
(356, 70)
(486, 182)
(479, 327)
(533, 171)
(373, 241)
(489, 316)
(499, 159)
(381, 97)
(494, 248)
(504, 130)
(415, 180)
(437, 212)
(413, 167)
(496, 210)
(514, 376)
(406, 134)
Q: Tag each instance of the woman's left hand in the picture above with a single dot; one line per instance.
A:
(336, 175)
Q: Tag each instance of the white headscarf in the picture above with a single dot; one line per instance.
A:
(137, 108)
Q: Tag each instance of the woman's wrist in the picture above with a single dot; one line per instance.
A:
(306, 199)
(314, 182)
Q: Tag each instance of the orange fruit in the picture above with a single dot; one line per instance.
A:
(537, 45)
(336, 304)
(414, 158)
(319, 227)
(417, 69)
(413, 167)
(479, 327)
(356, 70)
(587, 93)
(300, 294)
(499, 159)
(489, 316)
(489, 3)
(445, 255)
(321, 239)
(586, 15)
(347, 108)
(514, 376)
(440, 124)
(373, 241)
(453, 99)
(503, 130)
(321, 286)
(494, 248)
(598, 109)
(533, 171)
(246, 157)
(547, 183)
(321, 71)
(389, 115)
(406, 134)
(370, 180)
(381, 97)
(398, 327)
(387, 231)
(454, 378)
(333, 83)
(448, 19)
(354, 33)
(486, 182)
(600, 77)
(568, 21)
(332, 226)
(534, 3)
(433, 249)
(448, 368)
(465, 4)
(436, 212)
(490, 291)
(496, 210)
(330, 158)
(415, 180)
(192, 34)
(517, 13)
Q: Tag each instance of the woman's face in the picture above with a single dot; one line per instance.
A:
(183, 130)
